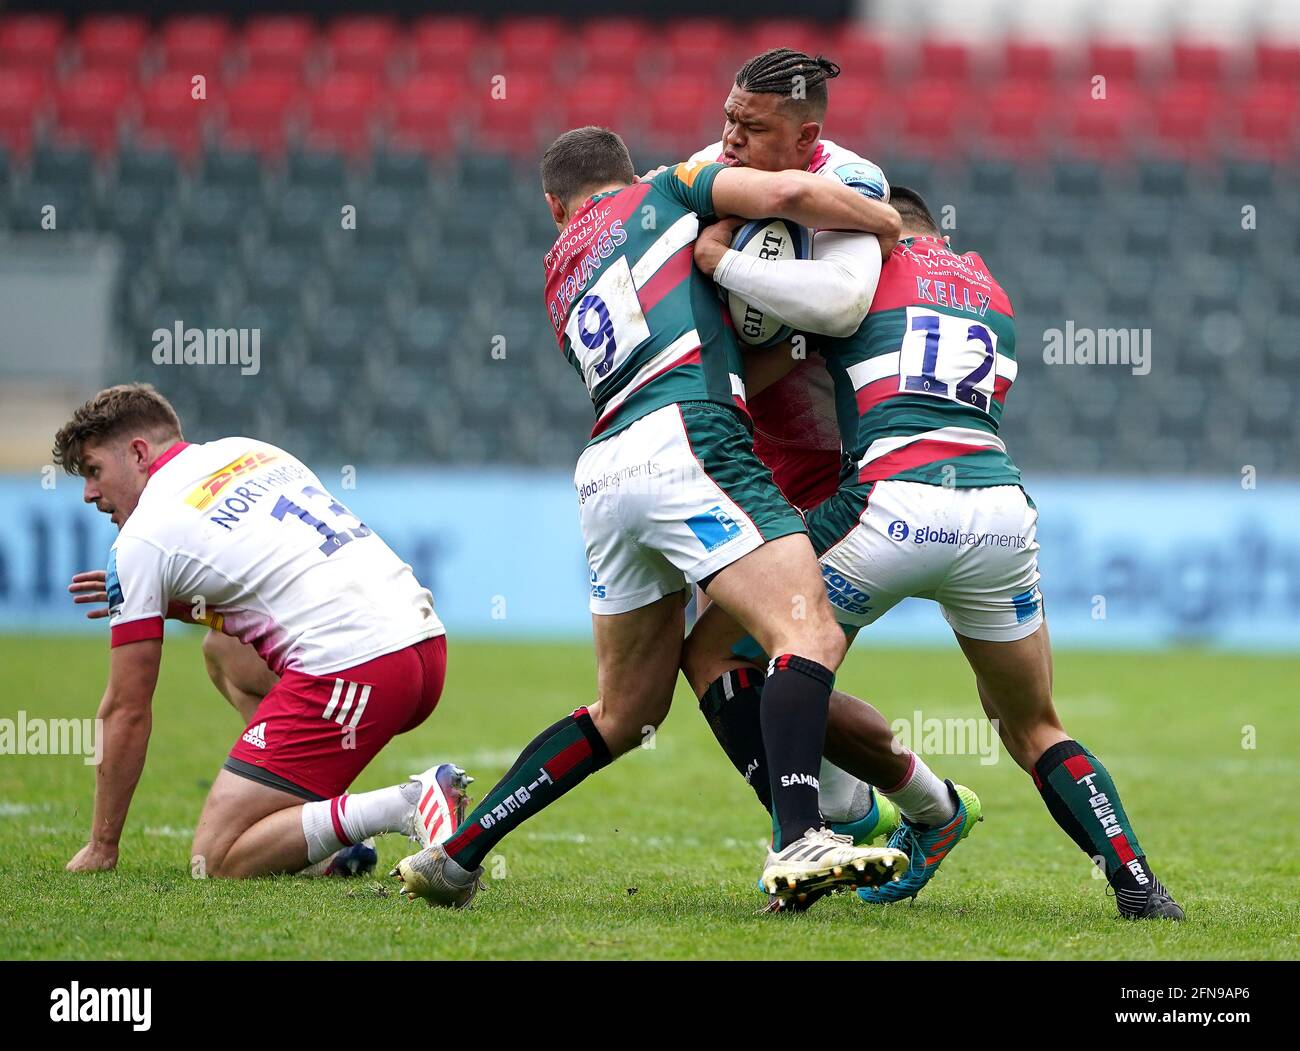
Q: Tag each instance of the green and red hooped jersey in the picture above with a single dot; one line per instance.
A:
(919, 388)
(640, 324)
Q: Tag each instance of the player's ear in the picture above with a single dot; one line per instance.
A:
(138, 454)
(809, 132)
(558, 212)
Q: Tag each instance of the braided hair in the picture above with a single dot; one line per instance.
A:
(784, 71)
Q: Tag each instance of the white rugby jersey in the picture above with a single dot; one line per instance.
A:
(798, 410)
(239, 535)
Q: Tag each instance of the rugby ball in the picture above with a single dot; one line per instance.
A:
(766, 239)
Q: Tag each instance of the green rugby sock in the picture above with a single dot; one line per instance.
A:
(1083, 799)
(556, 760)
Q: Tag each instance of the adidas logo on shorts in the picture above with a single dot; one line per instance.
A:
(255, 735)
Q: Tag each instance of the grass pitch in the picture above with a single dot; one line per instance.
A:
(657, 856)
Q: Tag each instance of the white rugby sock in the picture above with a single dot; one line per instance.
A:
(920, 796)
(842, 797)
(332, 824)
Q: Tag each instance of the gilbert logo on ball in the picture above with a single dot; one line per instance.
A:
(766, 239)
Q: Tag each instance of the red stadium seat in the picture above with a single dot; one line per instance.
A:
(1198, 63)
(933, 118)
(112, 42)
(686, 114)
(1029, 62)
(171, 116)
(613, 45)
(706, 47)
(362, 43)
(1014, 116)
(22, 98)
(1188, 120)
(444, 42)
(519, 122)
(342, 111)
(194, 44)
(90, 106)
(797, 33)
(861, 109)
(30, 41)
(530, 44)
(1278, 62)
(859, 55)
(278, 44)
(611, 100)
(427, 108)
(1101, 128)
(1268, 121)
(257, 109)
(1117, 62)
(944, 61)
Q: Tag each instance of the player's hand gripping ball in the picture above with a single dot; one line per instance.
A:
(767, 239)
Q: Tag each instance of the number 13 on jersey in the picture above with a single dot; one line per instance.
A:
(607, 324)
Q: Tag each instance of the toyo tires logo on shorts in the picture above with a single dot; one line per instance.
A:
(844, 594)
(898, 530)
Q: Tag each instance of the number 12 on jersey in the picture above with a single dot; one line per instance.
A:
(948, 357)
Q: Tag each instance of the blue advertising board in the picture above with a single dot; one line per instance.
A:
(1125, 563)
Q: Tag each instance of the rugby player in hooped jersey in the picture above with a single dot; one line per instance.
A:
(671, 494)
(241, 536)
(928, 504)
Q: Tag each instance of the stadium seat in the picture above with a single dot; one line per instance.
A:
(1278, 63)
(859, 55)
(520, 121)
(30, 41)
(1267, 120)
(278, 44)
(1188, 122)
(194, 44)
(1100, 127)
(1014, 116)
(22, 101)
(112, 42)
(445, 43)
(427, 109)
(1117, 62)
(934, 118)
(1029, 62)
(942, 61)
(614, 45)
(529, 45)
(257, 109)
(702, 48)
(343, 112)
(1199, 62)
(170, 115)
(798, 33)
(609, 99)
(151, 169)
(362, 43)
(90, 106)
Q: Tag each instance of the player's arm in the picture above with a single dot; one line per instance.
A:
(804, 198)
(125, 719)
(828, 294)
